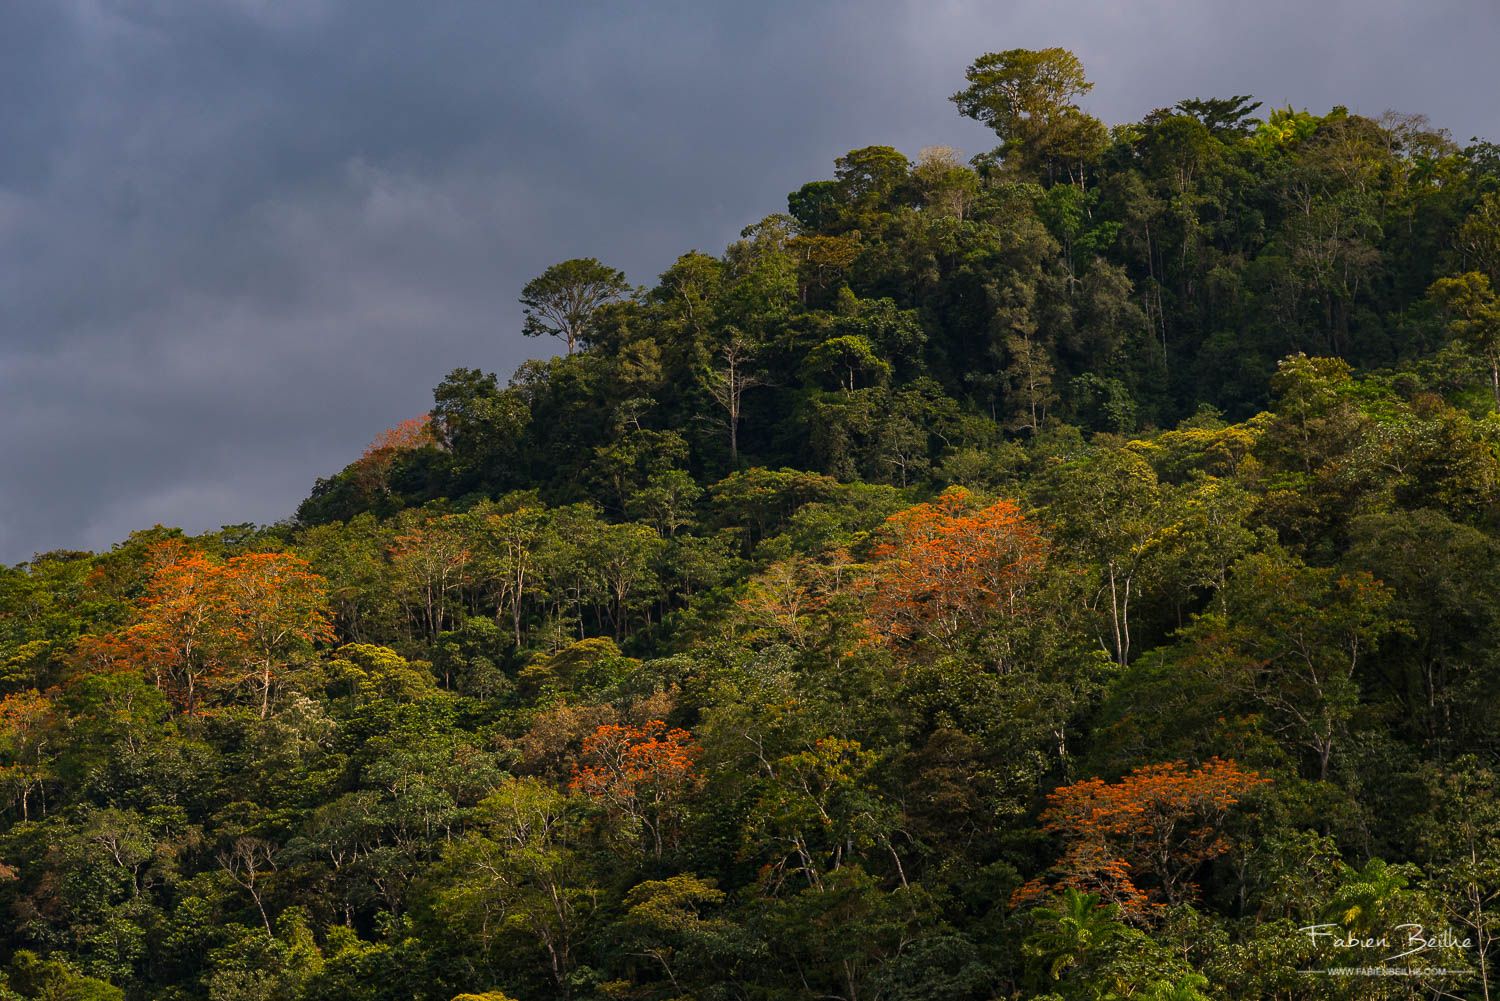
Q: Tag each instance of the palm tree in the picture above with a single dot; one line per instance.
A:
(1068, 934)
(1367, 897)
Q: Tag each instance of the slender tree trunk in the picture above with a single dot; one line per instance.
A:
(255, 895)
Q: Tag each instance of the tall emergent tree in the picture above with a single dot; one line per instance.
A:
(562, 301)
(1028, 97)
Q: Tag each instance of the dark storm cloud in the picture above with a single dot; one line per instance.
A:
(238, 237)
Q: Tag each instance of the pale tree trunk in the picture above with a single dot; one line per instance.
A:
(728, 385)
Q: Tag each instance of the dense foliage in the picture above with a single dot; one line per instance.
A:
(1065, 574)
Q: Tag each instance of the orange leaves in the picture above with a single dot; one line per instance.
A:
(413, 433)
(24, 712)
(373, 468)
(274, 598)
(946, 567)
(276, 605)
(625, 760)
(1161, 821)
(26, 722)
(207, 620)
(638, 773)
(181, 631)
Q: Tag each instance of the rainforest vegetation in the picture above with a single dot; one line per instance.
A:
(1063, 573)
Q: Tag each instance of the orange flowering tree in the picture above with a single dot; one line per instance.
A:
(1158, 824)
(204, 621)
(640, 774)
(947, 566)
(373, 469)
(278, 608)
(182, 633)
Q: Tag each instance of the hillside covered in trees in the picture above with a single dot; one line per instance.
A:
(1066, 573)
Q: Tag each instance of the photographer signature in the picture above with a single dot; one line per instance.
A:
(1411, 937)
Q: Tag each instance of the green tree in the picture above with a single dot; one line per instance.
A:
(1064, 938)
(1300, 636)
(564, 300)
(479, 423)
(517, 873)
(1028, 97)
(1473, 312)
(1112, 509)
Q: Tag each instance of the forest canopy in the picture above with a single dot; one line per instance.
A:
(1067, 572)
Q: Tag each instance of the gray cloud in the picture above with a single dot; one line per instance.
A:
(238, 237)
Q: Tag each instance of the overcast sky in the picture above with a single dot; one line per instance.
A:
(240, 237)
